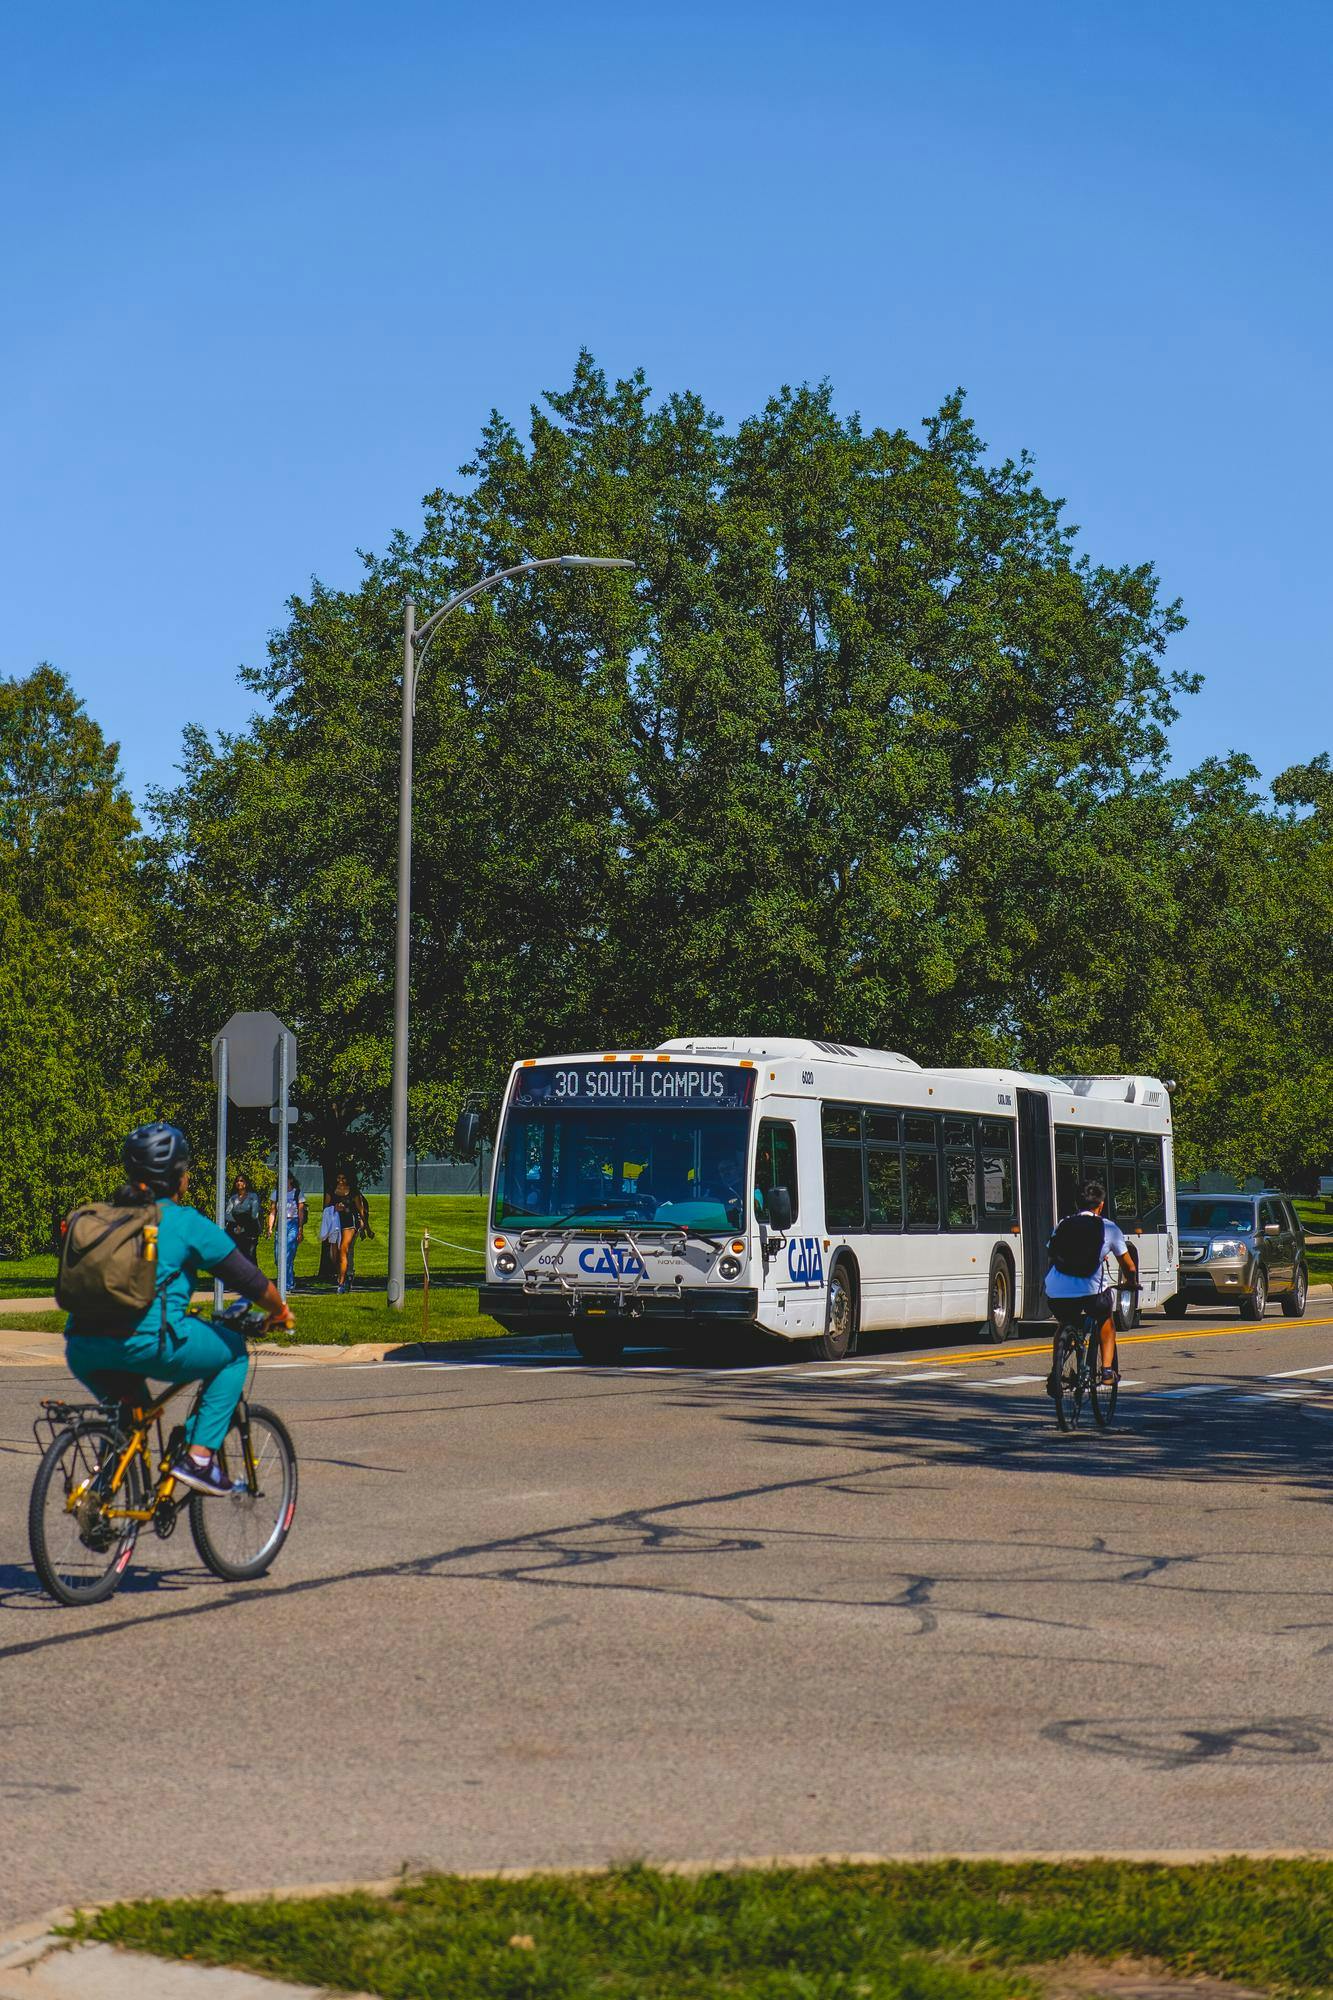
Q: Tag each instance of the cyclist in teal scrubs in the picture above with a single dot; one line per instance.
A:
(170, 1343)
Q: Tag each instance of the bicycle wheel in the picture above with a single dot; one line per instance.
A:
(80, 1555)
(1066, 1368)
(1104, 1394)
(239, 1535)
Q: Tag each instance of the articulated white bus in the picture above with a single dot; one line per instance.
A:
(805, 1188)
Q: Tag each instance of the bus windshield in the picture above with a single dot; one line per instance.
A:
(615, 1167)
(659, 1144)
(585, 1164)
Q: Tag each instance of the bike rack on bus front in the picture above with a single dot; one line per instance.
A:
(537, 1282)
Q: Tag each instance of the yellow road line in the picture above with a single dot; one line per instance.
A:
(1125, 1340)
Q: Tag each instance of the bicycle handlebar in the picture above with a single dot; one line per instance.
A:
(242, 1317)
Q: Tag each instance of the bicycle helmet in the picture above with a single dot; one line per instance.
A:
(156, 1155)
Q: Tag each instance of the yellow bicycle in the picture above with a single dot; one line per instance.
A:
(96, 1488)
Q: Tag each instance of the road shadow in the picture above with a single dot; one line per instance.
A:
(1211, 1438)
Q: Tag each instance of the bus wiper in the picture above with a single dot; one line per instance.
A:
(575, 1215)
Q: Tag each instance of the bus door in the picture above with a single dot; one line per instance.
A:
(1036, 1197)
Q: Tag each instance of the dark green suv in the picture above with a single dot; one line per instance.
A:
(1241, 1249)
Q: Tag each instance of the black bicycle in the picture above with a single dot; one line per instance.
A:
(96, 1487)
(1076, 1368)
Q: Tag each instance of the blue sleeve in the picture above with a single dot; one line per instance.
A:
(1114, 1240)
(206, 1244)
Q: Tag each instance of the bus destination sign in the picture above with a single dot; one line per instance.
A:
(637, 1086)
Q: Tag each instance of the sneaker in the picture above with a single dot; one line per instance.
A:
(199, 1478)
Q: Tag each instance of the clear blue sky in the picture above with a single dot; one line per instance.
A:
(264, 268)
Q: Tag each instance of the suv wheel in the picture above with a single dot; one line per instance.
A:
(1294, 1303)
(1257, 1303)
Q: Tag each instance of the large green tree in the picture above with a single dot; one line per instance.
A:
(76, 993)
(867, 748)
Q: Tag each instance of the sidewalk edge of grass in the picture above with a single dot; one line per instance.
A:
(60, 1920)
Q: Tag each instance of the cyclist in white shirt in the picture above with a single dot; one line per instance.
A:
(1077, 1250)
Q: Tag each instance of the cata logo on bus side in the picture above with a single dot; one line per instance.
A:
(805, 1261)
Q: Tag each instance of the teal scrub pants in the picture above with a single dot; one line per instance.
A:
(192, 1351)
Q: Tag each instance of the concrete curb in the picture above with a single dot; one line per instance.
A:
(28, 1942)
(32, 1353)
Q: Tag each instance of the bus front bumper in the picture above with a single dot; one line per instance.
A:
(515, 1307)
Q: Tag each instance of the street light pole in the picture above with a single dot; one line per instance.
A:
(415, 641)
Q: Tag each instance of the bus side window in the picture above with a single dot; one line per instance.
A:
(997, 1168)
(1093, 1158)
(844, 1173)
(1152, 1209)
(775, 1161)
(1124, 1182)
(960, 1187)
(922, 1161)
(1066, 1170)
(884, 1179)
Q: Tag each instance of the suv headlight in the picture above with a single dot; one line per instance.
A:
(1228, 1246)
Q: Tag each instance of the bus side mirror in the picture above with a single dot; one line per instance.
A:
(777, 1209)
(465, 1135)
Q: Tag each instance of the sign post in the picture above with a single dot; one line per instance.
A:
(284, 1275)
(221, 1067)
(254, 1059)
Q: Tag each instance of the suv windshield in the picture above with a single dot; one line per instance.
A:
(1216, 1214)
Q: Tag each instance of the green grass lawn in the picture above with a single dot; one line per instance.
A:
(324, 1319)
(26, 1277)
(456, 1222)
(939, 1931)
(457, 1227)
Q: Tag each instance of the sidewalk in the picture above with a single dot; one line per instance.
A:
(20, 1348)
(49, 1968)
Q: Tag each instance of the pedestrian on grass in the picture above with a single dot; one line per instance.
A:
(330, 1239)
(345, 1203)
(243, 1218)
(294, 1219)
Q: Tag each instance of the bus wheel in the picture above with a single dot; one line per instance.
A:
(1000, 1298)
(838, 1339)
(599, 1349)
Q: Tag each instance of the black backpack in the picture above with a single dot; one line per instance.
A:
(1075, 1248)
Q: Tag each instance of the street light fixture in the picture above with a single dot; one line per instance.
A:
(415, 641)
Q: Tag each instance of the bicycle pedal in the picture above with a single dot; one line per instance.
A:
(165, 1516)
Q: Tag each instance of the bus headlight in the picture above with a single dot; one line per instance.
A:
(729, 1267)
(506, 1263)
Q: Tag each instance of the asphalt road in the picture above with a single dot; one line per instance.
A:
(534, 1613)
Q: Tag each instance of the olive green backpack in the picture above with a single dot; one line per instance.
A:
(108, 1267)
